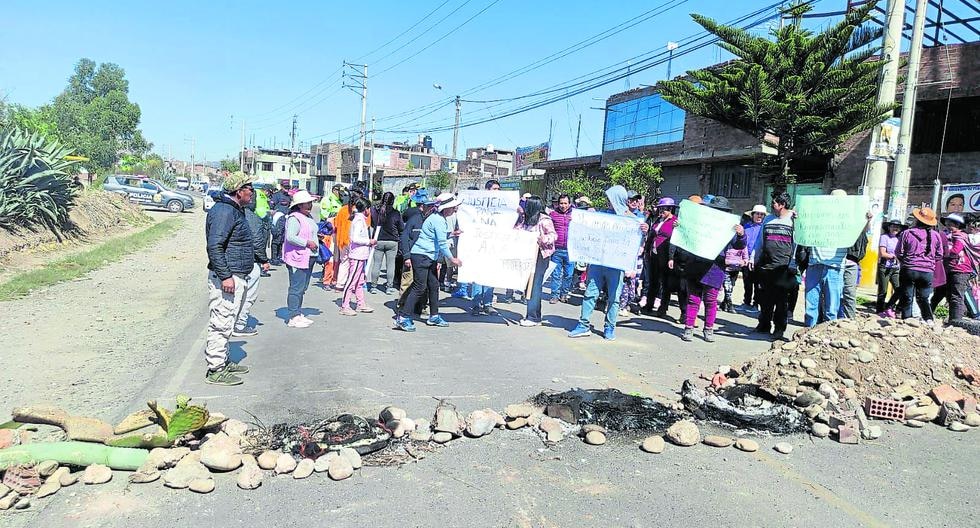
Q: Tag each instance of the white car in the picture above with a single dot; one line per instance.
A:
(209, 198)
(183, 183)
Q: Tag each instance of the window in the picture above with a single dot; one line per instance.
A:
(421, 162)
(731, 181)
(267, 166)
(402, 155)
(282, 168)
(645, 121)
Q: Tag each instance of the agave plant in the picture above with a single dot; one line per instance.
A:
(35, 184)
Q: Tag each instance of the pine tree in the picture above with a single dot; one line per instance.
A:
(800, 92)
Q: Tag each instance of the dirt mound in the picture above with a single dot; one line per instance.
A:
(95, 213)
(883, 358)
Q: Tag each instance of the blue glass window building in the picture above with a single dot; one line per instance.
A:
(643, 121)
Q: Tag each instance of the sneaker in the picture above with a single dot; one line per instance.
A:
(580, 330)
(437, 320)
(529, 323)
(222, 376)
(371, 288)
(609, 334)
(365, 309)
(245, 332)
(306, 319)
(299, 322)
(554, 300)
(347, 311)
(624, 313)
(778, 335)
(762, 329)
(889, 313)
(709, 335)
(477, 311)
(236, 368)
(405, 324)
(489, 310)
(688, 334)
(564, 299)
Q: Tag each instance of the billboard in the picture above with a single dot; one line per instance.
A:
(525, 156)
(960, 198)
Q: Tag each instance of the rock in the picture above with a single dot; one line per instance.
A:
(849, 393)
(322, 464)
(23, 503)
(519, 410)
(808, 363)
(784, 361)
(352, 456)
(808, 398)
(872, 432)
(221, 453)
(421, 424)
(97, 474)
(783, 447)
(788, 390)
(303, 469)
(813, 411)
(718, 441)
(901, 332)
(420, 435)
(959, 427)
(593, 427)
(403, 427)
(847, 371)
(249, 460)
(285, 463)
(684, 433)
(184, 472)
(865, 356)
(848, 383)
(517, 423)
(827, 391)
(250, 477)
(972, 419)
(68, 478)
(391, 413)
(50, 487)
(480, 423)
(448, 420)
(8, 501)
(791, 345)
(820, 430)
(926, 413)
(654, 444)
(595, 438)
(145, 474)
(57, 475)
(747, 445)
(163, 458)
(914, 423)
(234, 428)
(442, 437)
(201, 485)
(46, 468)
(267, 460)
(340, 468)
(552, 429)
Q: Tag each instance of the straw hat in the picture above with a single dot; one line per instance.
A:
(301, 197)
(695, 198)
(925, 215)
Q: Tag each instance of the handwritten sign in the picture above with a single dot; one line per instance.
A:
(829, 221)
(702, 230)
(494, 208)
(496, 257)
(604, 239)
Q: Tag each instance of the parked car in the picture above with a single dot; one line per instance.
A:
(210, 197)
(183, 183)
(148, 192)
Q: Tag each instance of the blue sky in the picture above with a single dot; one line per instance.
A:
(197, 69)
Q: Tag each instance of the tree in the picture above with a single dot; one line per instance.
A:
(640, 175)
(231, 165)
(439, 181)
(94, 115)
(802, 93)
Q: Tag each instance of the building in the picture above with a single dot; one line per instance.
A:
(275, 165)
(326, 165)
(394, 160)
(485, 163)
(701, 156)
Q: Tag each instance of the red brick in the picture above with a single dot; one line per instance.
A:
(946, 393)
(6, 438)
(848, 434)
(969, 404)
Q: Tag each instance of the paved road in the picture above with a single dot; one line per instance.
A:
(359, 364)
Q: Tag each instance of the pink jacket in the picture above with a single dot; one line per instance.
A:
(547, 235)
(360, 238)
(299, 256)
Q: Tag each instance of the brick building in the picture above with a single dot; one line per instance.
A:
(699, 155)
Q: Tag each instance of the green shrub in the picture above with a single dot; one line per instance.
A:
(35, 184)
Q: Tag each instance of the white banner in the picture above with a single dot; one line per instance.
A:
(604, 239)
(493, 208)
(496, 257)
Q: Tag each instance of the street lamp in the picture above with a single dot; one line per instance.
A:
(671, 46)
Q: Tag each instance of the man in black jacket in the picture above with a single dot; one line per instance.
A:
(852, 263)
(260, 238)
(231, 257)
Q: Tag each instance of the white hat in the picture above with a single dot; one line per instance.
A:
(453, 202)
(445, 197)
(526, 196)
(301, 197)
(759, 208)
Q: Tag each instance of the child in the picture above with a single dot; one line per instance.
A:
(358, 254)
(735, 260)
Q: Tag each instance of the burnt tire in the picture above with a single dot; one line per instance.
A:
(970, 325)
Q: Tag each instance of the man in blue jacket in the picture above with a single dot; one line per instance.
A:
(231, 257)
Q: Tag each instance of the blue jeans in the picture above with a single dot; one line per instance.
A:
(602, 279)
(561, 277)
(824, 287)
(537, 285)
(482, 296)
(299, 281)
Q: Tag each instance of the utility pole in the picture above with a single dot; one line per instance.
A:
(371, 176)
(578, 135)
(899, 197)
(292, 135)
(359, 81)
(193, 143)
(241, 156)
(876, 170)
(456, 126)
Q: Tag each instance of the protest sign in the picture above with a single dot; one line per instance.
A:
(493, 208)
(829, 221)
(497, 258)
(702, 230)
(604, 239)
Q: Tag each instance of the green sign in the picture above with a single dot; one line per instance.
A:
(702, 230)
(830, 221)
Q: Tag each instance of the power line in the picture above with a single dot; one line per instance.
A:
(400, 35)
(424, 32)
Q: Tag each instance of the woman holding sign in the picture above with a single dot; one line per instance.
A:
(537, 221)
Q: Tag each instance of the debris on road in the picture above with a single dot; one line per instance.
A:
(609, 408)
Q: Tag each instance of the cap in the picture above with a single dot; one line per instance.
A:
(720, 203)
(633, 195)
(235, 181)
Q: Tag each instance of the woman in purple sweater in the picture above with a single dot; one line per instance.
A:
(918, 250)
